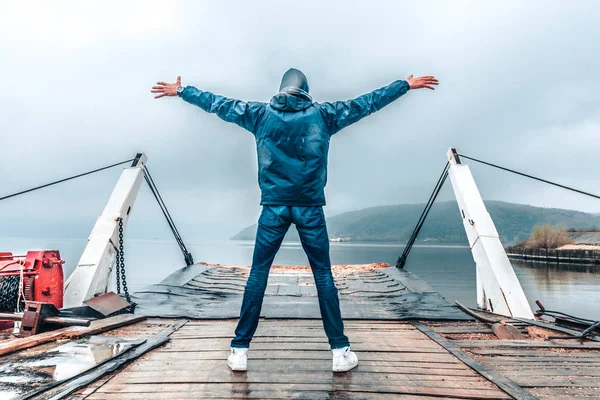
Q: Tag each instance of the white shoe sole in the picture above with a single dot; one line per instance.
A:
(345, 368)
(237, 367)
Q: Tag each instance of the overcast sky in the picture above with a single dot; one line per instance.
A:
(518, 86)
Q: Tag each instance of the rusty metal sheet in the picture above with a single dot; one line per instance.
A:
(107, 304)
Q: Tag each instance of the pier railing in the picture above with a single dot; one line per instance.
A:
(556, 256)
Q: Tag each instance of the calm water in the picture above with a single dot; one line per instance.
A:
(449, 269)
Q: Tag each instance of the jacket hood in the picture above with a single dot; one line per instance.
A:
(294, 78)
(291, 99)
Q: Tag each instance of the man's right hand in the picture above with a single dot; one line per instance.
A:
(422, 82)
(166, 89)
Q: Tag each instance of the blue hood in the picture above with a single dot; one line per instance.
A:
(291, 99)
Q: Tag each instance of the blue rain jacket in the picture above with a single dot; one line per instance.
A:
(292, 136)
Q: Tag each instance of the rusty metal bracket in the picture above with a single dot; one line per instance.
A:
(39, 317)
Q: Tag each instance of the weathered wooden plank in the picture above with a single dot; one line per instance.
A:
(323, 364)
(511, 371)
(223, 375)
(566, 393)
(354, 337)
(309, 340)
(283, 326)
(203, 394)
(464, 330)
(301, 329)
(320, 334)
(160, 321)
(73, 332)
(278, 394)
(92, 387)
(248, 390)
(258, 339)
(268, 325)
(566, 380)
(505, 384)
(311, 323)
(305, 355)
(366, 382)
(537, 362)
(559, 381)
(268, 394)
(406, 346)
(526, 344)
(387, 396)
(359, 347)
(264, 325)
(305, 322)
(537, 353)
(314, 365)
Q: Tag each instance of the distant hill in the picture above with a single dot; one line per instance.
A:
(443, 225)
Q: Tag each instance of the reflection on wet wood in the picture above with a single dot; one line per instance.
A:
(69, 333)
(24, 375)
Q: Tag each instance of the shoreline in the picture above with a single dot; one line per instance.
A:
(559, 256)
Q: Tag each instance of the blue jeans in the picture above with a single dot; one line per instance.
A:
(273, 224)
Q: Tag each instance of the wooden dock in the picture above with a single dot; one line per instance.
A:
(408, 348)
(290, 359)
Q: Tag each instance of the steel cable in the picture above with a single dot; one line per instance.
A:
(402, 259)
(531, 176)
(189, 260)
(65, 179)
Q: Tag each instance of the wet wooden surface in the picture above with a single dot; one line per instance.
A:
(72, 332)
(145, 329)
(291, 359)
(548, 369)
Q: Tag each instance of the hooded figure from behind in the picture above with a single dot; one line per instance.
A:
(293, 92)
(292, 141)
(292, 133)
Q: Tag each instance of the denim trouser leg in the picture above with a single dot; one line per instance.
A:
(310, 223)
(273, 224)
(269, 235)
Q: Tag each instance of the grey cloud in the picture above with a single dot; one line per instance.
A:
(518, 87)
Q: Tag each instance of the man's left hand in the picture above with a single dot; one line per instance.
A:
(166, 89)
(422, 82)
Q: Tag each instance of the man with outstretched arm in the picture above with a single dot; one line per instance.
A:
(292, 141)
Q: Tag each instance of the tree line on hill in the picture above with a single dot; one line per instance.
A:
(514, 222)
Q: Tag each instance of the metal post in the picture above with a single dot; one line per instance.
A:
(498, 289)
(90, 277)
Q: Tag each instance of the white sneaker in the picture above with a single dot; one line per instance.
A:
(238, 359)
(344, 359)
